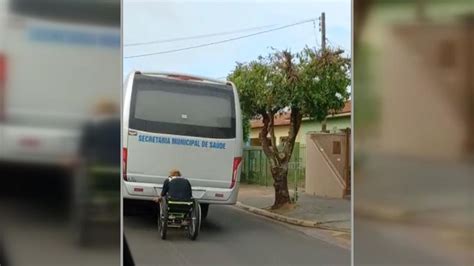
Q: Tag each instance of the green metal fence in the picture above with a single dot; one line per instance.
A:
(256, 167)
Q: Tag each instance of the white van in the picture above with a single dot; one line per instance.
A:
(57, 59)
(185, 122)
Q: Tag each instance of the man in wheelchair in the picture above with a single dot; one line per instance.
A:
(177, 187)
(177, 206)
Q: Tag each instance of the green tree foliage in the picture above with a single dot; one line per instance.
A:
(246, 127)
(309, 84)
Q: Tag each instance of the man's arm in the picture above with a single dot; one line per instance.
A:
(86, 140)
(165, 188)
(190, 189)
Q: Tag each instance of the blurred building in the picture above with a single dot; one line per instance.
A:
(436, 77)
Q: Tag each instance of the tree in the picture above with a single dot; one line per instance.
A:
(246, 127)
(307, 84)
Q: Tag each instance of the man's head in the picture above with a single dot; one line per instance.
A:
(105, 107)
(175, 172)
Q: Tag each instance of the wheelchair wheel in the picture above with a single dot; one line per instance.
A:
(195, 225)
(163, 220)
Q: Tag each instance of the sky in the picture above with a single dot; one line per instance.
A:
(151, 20)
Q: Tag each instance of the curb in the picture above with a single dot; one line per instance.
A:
(385, 213)
(289, 220)
(399, 215)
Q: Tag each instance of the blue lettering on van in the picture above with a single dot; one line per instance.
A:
(41, 34)
(182, 142)
(153, 139)
(185, 142)
(217, 145)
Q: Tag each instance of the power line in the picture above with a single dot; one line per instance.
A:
(222, 41)
(199, 36)
(315, 34)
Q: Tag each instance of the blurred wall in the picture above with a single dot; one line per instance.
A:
(413, 132)
(432, 86)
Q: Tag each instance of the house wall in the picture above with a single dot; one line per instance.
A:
(333, 123)
(280, 131)
(320, 178)
(432, 83)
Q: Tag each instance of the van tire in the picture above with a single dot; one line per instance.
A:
(204, 210)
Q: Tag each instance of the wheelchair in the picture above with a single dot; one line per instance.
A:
(179, 214)
(96, 200)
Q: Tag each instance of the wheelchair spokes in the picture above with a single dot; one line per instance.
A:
(179, 214)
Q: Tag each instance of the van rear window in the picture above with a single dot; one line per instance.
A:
(98, 12)
(187, 108)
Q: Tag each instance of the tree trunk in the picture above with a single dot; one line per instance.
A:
(324, 126)
(420, 10)
(279, 157)
(280, 183)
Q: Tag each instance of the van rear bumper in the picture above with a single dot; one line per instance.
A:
(37, 145)
(147, 191)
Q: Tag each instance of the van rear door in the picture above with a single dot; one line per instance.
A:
(61, 57)
(186, 125)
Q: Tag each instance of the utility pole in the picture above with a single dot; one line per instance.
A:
(322, 24)
(322, 28)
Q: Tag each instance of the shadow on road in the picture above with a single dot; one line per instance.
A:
(147, 221)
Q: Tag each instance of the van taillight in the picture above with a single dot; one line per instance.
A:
(124, 163)
(235, 168)
(3, 80)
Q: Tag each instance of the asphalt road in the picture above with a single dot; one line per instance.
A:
(230, 236)
(383, 243)
(35, 228)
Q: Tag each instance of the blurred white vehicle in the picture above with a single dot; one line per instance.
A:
(50, 77)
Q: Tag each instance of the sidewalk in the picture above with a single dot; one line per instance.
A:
(402, 190)
(421, 203)
(329, 213)
(405, 190)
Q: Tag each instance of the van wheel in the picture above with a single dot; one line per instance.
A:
(204, 210)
